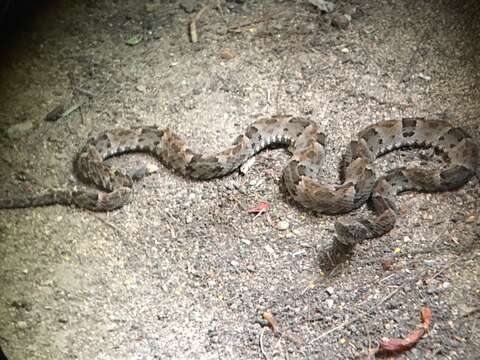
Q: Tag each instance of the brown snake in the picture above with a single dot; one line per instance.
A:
(301, 175)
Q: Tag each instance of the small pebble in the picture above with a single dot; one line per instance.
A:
(329, 290)
(189, 6)
(424, 77)
(19, 130)
(283, 225)
(227, 54)
(22, 325)
(429, 263)
(341, 21)
(234, 263)
(141, 88)
(246, 242)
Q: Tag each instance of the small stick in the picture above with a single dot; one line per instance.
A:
(345, 323)
(193, 23)
(356, 318)
(86, 92)
(261, 345)
(450, 265)
(81, 103)
(75, 94)
(112, 225)
(241, 27)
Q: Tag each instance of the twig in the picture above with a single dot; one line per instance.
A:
(261, 345)
(112, 225)
(73, 82)
(375, 307)
(338, 327)
(241, 27)
(389, 296)
(193, 23)
(445, 268)
(72, 108)
(82, 102)
(86, 92)
(220, 10)
(468, 313)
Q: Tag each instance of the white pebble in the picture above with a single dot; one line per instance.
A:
(329, 290)
(283, 225)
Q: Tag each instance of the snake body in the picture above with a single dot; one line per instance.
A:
(301, 175)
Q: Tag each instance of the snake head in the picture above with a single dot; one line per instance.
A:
(350, 232)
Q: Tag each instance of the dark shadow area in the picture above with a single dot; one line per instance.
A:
(17, 17)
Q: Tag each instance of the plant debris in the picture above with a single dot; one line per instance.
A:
(395, 346)
(271, 322)
(260, 208)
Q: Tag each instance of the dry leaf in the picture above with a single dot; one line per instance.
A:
(272, 323)
(426, 318)
(401, 345)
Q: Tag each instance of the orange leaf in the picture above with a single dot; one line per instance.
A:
(426, 318)
(272, 323)
(401, 345)
(260, 208)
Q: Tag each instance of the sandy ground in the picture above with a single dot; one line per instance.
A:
(184, 272)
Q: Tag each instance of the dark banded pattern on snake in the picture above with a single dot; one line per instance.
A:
(301, 175)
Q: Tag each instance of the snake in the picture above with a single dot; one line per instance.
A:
(302, 178)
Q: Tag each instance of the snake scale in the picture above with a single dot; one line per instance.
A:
(301, 175)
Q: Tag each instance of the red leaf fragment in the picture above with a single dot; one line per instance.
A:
(260, 208)
(401, 345)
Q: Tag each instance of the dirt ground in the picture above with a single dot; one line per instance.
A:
(184, 271)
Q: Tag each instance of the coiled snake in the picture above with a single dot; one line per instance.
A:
(301, 175)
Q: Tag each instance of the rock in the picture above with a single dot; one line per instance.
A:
(322, 5)
(424, 77)
(329, 290)
(188, 5)
(22, 325)
(56, 113)
(246, 242)
(341, 21)
(141, 88)
(19, 130)
(227, 54)
(283, 225)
